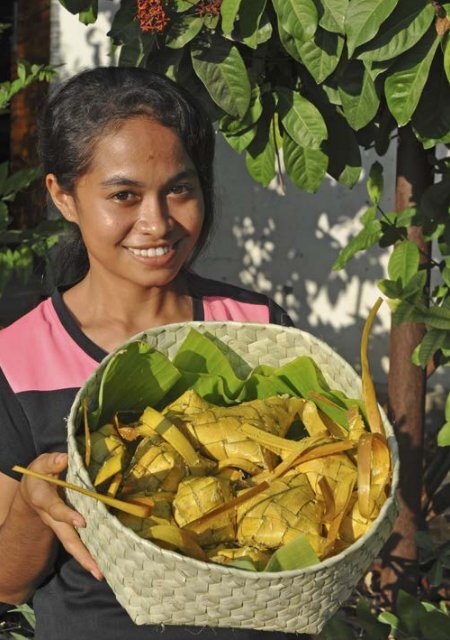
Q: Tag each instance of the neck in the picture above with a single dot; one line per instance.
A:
(111, 316)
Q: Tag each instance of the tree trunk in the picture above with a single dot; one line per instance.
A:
(31, 43)
(406, 390)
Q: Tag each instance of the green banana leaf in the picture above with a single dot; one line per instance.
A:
(296, 554)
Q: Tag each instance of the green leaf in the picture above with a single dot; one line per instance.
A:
(402, 30)
(435, 625)
(447, 58)
(301, 119)
(358, 95)
(240, 133)
(375, 182)
(296, 554)
(368, 621)
(336, 627)
(260, 159)
(447, 408)
(443, 437)
(333, 18)
(343, 150)
(77, 6)
(250, 14)
(136, 376)
(229, 10)
(407, 78)
(184, 5)
(404, 262)
(298, 17)
(367, 237)
(364, 18)
(183, 30)
(18, 181)
(431, 120)
(223, 72)
(4, 216)
(389, 618)
(90, 15)
(290, 44)
(321, 54)
(433, 340)
(390, 288)
(436, 317)
(305, 167)
(408, 610)
(124, 23)
(435, 201)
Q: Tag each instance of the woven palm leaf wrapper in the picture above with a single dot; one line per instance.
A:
(158, 586)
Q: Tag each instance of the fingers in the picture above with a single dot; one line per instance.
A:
(45, 500)
(71, 542)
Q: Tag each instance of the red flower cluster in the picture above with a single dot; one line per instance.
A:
(208, 6)
(151, 15)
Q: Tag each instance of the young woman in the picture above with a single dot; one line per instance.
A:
(127, 156)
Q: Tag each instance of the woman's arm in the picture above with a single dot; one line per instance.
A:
(34, 516)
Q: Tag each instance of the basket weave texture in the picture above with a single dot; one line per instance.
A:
(157, 586)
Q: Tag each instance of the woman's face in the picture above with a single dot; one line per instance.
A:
(140, 206)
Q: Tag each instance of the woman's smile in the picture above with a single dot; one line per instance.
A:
(140, 205)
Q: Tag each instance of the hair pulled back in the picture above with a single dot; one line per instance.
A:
(89, 104)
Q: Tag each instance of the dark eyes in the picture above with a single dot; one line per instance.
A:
(176, 189)
(124, 196)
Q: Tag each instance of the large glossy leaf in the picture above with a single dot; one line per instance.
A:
(301, 119)
(297, 17)
(229, 10)
(404, 27)
(305, 167)
(136, 376)
(261, 154)
(363, 20)
(407, 78)
(343, 151)
(289, 43)
(358, 94)
(321, 54)
(404, 262)
(224, 74)
(240, 133)
(183, 30)
(333, 18)
(250, 14)
(431, 120)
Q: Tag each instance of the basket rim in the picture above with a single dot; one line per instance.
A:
(81, 473)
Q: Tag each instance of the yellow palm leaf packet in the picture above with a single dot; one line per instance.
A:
(263, 472)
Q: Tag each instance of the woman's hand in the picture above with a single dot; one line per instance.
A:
(44, 498)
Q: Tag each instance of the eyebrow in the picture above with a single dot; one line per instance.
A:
(121, 180)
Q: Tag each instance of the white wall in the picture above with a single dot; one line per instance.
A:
(282, 245)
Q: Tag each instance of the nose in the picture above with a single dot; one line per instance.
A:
(154, 218)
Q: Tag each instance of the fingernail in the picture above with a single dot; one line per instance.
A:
(61, 457)
(97, 575)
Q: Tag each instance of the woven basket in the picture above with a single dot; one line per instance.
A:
(157, 586)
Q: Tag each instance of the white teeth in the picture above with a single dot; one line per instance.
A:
(150, 253)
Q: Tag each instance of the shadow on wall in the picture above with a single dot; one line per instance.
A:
(285, 246)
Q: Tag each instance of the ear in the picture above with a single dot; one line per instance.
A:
(63, 200)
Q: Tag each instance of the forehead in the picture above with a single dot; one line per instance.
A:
(139, 140)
